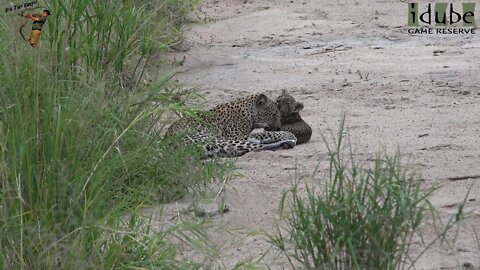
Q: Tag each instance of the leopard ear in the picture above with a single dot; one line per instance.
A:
(261, 100)
(298, 107)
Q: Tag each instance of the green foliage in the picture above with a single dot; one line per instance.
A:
(78, 155)
(364, 218)
(106, 36)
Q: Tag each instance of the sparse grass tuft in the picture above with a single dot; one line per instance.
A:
(364, 217)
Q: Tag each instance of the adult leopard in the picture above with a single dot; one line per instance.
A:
(226, 130)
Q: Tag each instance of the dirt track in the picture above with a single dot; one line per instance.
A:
(416, 92)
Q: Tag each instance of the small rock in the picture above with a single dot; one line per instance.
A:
(438, 52)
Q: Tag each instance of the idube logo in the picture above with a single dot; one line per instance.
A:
(445, 18)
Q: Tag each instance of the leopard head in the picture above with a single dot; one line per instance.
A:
(287, 105)
(265, 113)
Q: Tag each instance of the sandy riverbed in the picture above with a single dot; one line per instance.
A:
(419, 93)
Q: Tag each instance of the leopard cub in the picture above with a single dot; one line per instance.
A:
(290, 117)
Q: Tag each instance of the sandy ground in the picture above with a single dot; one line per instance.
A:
(419, 93)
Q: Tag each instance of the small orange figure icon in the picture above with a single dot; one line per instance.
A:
(38, 21)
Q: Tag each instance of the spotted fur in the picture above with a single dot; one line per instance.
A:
(225, 131)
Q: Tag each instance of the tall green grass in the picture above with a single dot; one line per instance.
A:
(363, 217)
(114, 39)
(79, 154)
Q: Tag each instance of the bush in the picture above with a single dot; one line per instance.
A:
(364, 218)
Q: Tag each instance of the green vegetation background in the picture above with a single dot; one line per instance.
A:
(80, 151)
